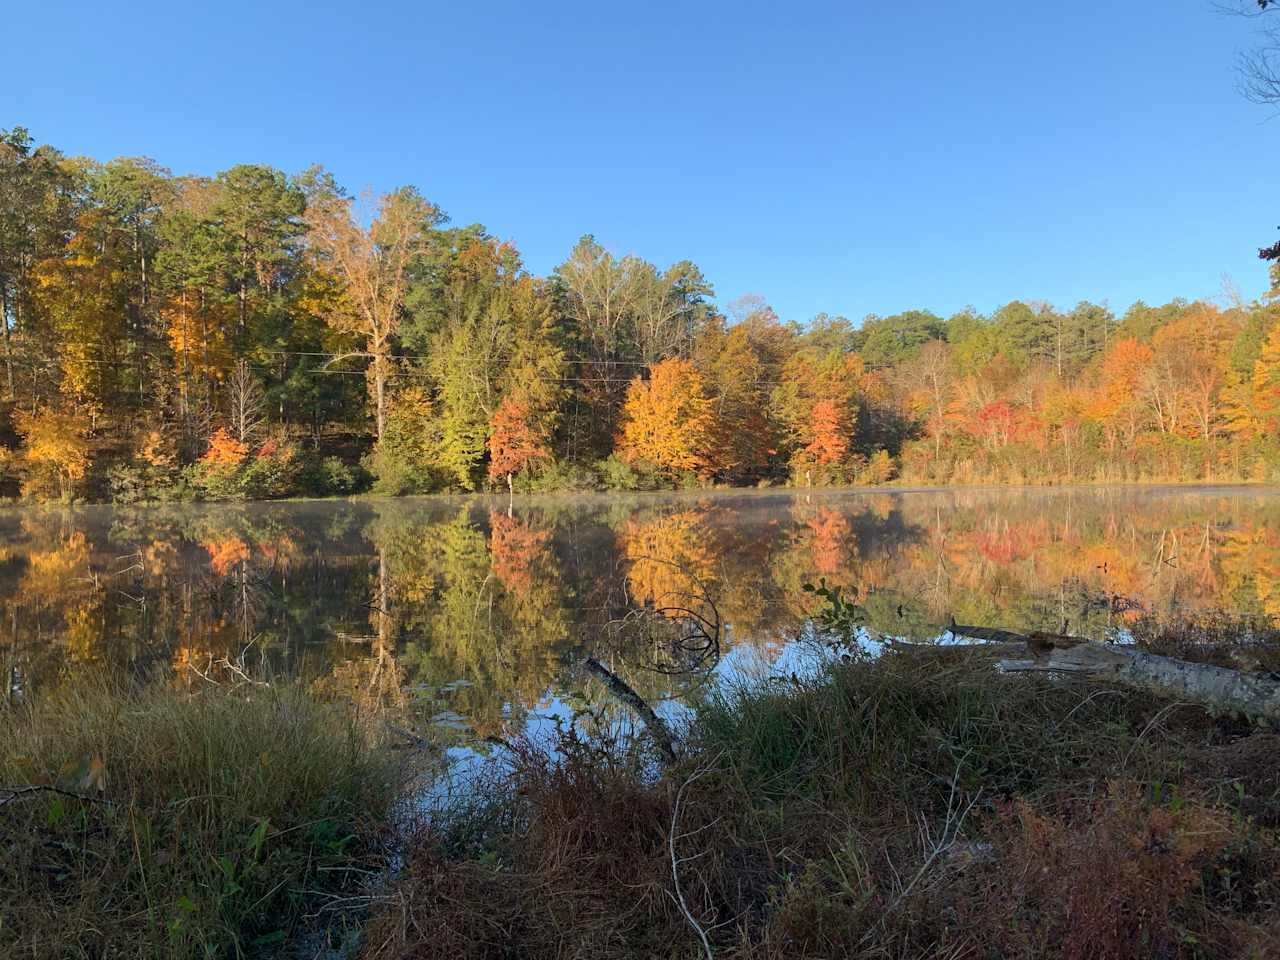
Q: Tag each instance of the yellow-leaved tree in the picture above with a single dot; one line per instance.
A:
(667, 421)
(55, 452)
(1266, 383)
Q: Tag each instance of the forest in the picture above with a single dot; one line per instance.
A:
(258, 334)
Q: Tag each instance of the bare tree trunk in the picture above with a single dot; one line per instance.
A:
(8, 343)
(379, 394)
(1218, 688)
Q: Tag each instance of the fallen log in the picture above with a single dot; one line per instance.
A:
(1220, 689)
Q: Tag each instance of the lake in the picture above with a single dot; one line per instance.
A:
(480, 611)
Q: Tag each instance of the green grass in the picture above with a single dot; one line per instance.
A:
(224, 816)
(908, 726)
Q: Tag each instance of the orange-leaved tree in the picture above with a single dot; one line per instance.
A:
(517, 438)
(667, 421)
(817, 403)
(735, 362)
(829, 434)
(1117, 405)
(1266, 383)
(225, 451)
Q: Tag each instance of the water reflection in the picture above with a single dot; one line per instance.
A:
(483, 611)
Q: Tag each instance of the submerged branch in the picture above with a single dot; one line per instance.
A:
(623, 692)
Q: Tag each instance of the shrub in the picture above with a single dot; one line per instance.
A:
(228, 471)
(398, 471)
(127, 482)
(880, 469)
(272, 471)
(557, 476)
(406, 459)
(617, 474)
(332, 477)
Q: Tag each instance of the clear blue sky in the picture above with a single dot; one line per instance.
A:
(849, 157)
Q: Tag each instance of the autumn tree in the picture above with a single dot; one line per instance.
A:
(627, 314)
(464, 319)
(1065, 409)
(82, 292)
(55, 452)
(667, 421)
(817, 404)
(1117, 405)
(372, 264)
(196, 309)
(517, 440)
(225, 450)
(406, 459)
(39, 194)
(927, 380)
(738, 364)
(1265, 385)
(829, 432)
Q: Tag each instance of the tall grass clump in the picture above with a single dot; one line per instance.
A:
(149, 822)
(907, 727)
(914, 806)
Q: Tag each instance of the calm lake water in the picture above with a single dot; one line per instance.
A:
(481, 613)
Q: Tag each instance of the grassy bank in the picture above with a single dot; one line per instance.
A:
(155, 823)
(915, 806)
(887, 809)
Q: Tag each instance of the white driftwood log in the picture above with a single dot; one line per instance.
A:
(1221, 689)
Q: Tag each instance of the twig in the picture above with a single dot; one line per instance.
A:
(1154, 720)
(16, 793)
(676, 861)
(951, 828)
(1086, 700)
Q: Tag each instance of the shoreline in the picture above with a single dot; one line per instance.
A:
(672, 493)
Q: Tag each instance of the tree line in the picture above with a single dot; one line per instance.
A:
(257, 334)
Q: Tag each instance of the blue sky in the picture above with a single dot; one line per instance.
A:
(852, 157)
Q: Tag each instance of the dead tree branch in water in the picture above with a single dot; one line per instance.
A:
(675, 633)
(681, 628)
(622, 691)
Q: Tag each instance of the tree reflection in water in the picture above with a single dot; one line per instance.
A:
(486, 611)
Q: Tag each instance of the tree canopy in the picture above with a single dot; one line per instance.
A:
(258, 333)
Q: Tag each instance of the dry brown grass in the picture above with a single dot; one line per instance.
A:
(881, 810)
